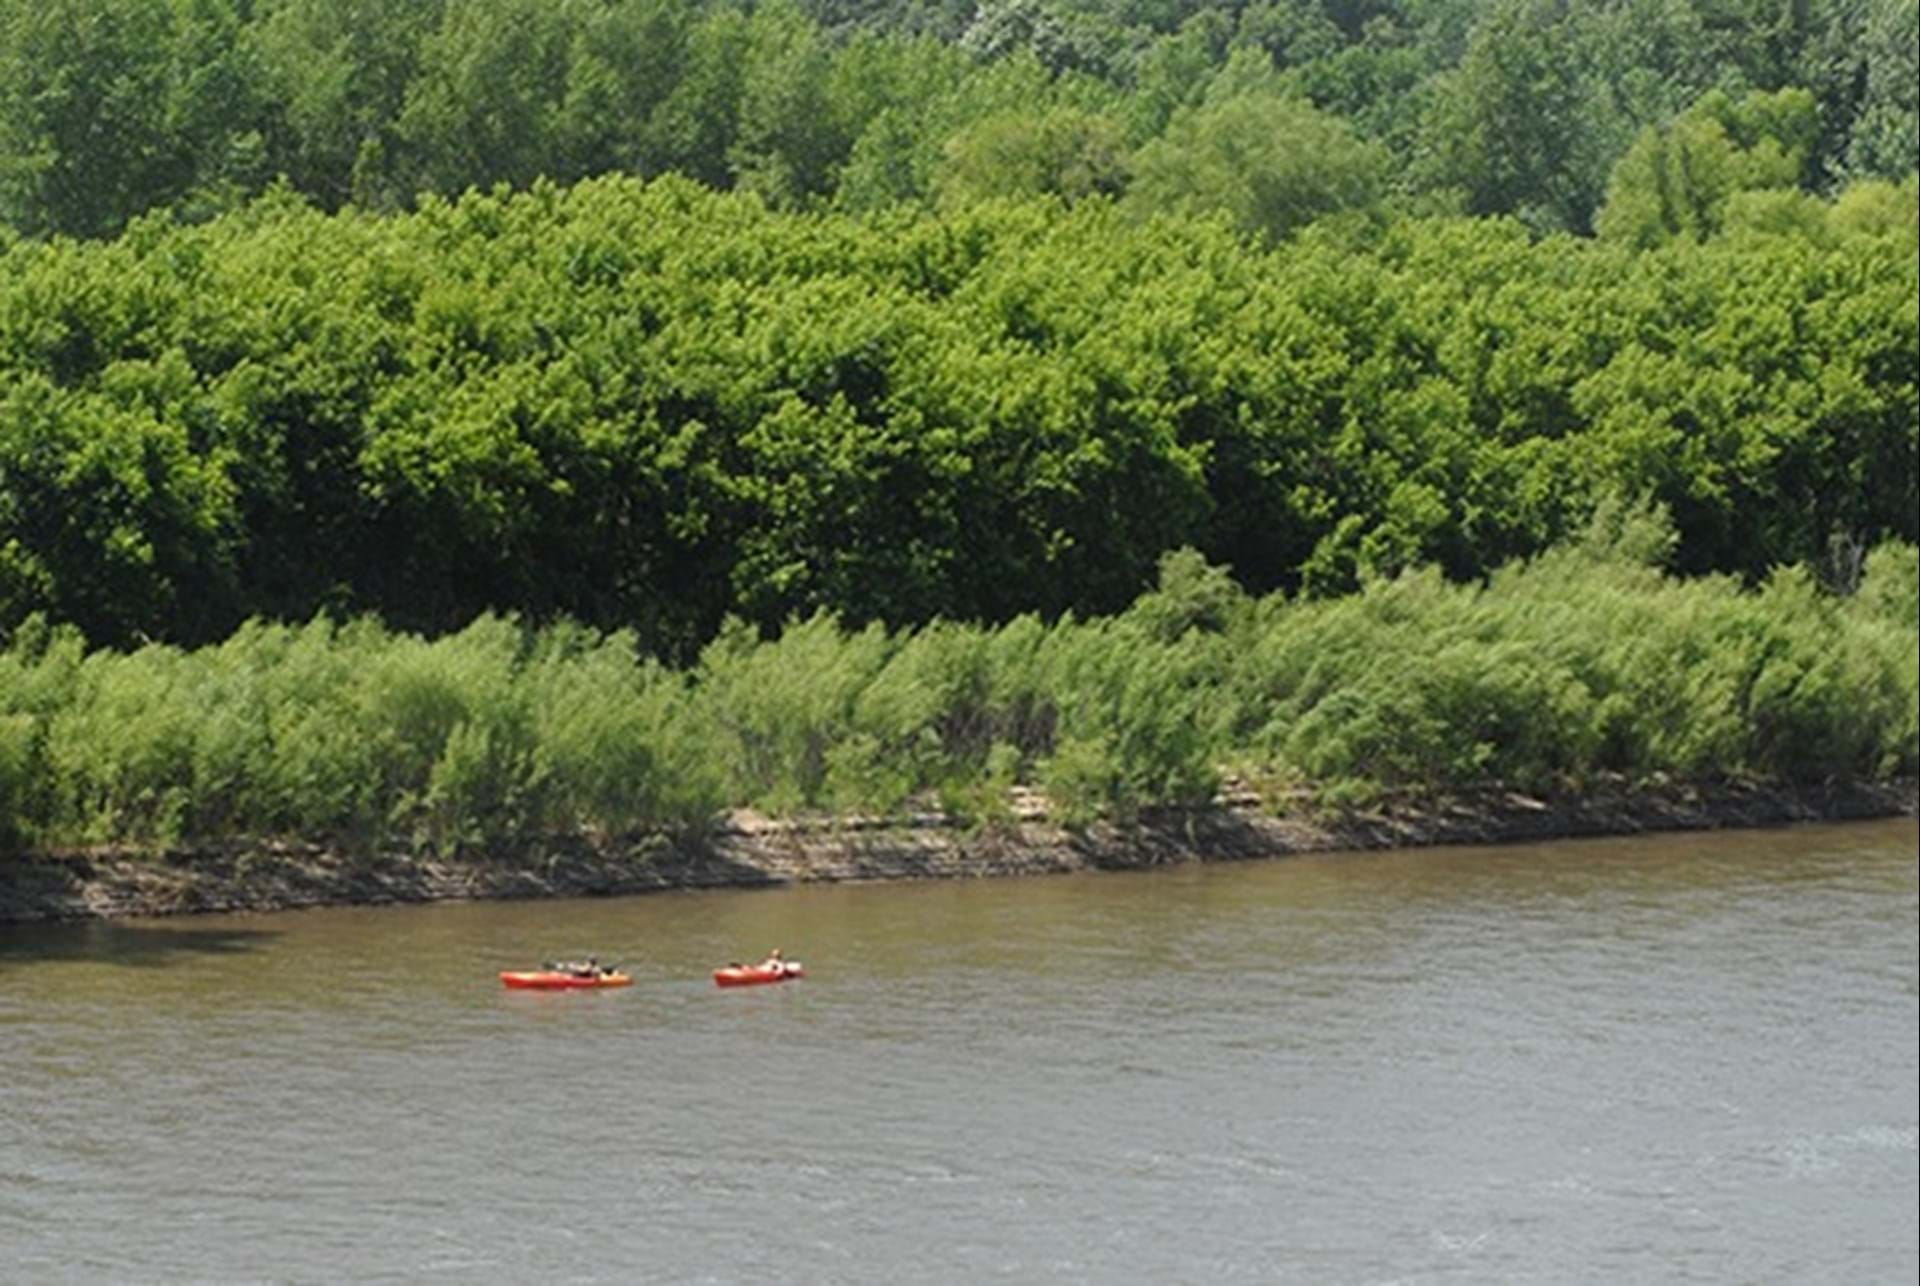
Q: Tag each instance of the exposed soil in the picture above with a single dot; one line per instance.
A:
(748, 850)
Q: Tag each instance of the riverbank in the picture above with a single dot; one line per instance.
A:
(750, 851)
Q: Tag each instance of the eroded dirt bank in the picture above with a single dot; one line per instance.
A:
(750, 851)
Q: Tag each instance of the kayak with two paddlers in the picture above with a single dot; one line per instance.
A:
(567, 975)
(555, 980)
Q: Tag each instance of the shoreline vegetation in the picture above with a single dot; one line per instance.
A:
(446, 443)
(750, 851)
(1580, 692)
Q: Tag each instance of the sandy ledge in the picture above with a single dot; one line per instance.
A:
(748, 851)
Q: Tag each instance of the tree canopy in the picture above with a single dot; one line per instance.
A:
(112, 108)
(651, 405)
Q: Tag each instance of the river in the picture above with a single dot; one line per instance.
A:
(1665, 1058)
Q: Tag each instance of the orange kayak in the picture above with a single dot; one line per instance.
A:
(560, 980)
(757, 975)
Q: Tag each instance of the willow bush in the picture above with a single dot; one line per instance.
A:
(1587, 661)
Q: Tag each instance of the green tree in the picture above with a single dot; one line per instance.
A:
(1676, 181)
(1884, 141)
(1270, 164)
(485, 105)
(693, 131)
(1519, 126)
(791, 140)
(340, 72)
(624, 62)
(1063, 152)
(109, 108)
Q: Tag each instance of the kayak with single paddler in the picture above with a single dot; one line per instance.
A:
(758, 975)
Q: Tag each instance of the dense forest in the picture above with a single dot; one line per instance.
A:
(737, 338)
(916, 310)
(649, 405)
(1271, 111)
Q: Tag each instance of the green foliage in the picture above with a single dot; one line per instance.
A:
(1065, 153)
(1523, 124)
(1270, 164)
(1586, 661)
(784, 705)
(1192, 595)
(341, 73)
(1883, 140)
(917, 368)
(1890, 589)
(792, 136)
(485, 105)
(110, 109)
(1547, 97)
(1677, 181)
(17, 776)
(1576, 664)
(646, 406)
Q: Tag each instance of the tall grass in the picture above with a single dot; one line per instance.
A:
(1586, 661)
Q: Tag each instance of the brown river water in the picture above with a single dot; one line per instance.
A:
(1665, 1058)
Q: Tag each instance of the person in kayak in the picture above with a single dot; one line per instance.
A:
(773, 963)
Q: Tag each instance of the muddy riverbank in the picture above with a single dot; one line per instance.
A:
(746, 850)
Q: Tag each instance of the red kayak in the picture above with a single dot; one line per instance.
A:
(561, 980)
(757, 975)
